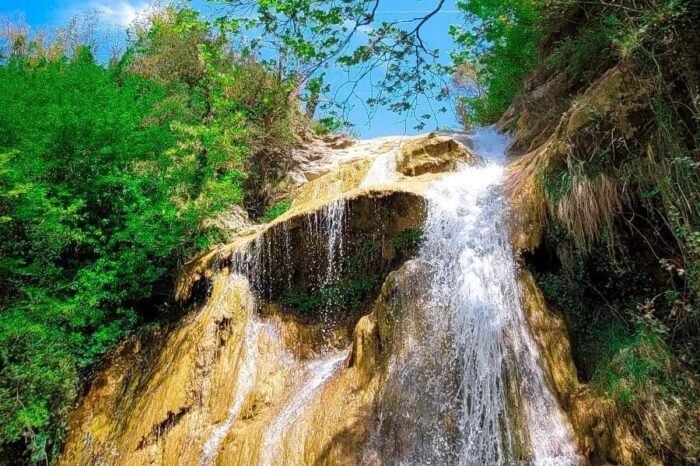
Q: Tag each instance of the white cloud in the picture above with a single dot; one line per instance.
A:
(120, 13)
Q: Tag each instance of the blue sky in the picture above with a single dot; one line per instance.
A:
(120, 13)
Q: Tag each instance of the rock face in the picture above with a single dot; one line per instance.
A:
(289, 354)
(432, 154)
(248, 378)
(601, 434)
(171, 397)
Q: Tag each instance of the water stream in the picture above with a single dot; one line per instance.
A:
(464, 385)
(506, 412)
(245, 382)
(317, 373)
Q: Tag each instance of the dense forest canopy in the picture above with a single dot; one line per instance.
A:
(111, 170)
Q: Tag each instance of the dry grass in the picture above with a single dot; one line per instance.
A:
(589, 208)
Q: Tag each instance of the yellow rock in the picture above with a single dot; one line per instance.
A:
(432, 154)
(162, 408)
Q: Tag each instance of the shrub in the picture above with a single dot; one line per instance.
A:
(277, 209)
(106, 177)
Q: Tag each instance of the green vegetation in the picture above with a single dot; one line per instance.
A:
(106, 176)
(277, 209)
(327, 125)
(629, 362)
(346, 294)
(359, 278)
(639, 183)
(497, 48)
(407, 240)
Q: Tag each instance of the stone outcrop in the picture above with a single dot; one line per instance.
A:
(160, 404)
(171, 396)
(432, 154)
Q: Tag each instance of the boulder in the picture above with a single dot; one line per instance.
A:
(432, 154)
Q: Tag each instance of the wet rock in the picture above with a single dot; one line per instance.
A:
(432, 154)
(601, 434)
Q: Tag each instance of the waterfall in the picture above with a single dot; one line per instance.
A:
(474, 296)
(463, 384)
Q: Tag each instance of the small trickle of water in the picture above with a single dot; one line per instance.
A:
(317, 373)
(382, 170)
(245, 381)
(328, 223)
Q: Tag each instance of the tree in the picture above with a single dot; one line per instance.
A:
(498, 47)
(305, 37)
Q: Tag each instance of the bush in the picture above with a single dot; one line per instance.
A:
(277, 209)
(106, 177)
(629, 361)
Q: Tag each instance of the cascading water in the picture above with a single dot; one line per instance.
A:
(464, 385)
(505, 411)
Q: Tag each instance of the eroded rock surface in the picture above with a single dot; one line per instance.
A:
(251, 376)
(432, 154)
(302, 340)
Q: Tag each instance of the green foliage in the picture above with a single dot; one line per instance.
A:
(556, 184)
(305, 38)
(106, 177)
(327, 125)
(359, 277)
(88, 224)
(499, 46)
(407, 240)
(346, 294)
(655, 169)
(277, 209)
(583, 56)
(629, 362)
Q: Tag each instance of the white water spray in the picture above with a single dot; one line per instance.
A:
(473, 287)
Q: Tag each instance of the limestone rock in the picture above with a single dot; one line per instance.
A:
(233, 220)
(600, 431)
(339, 141)
(432, 154)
